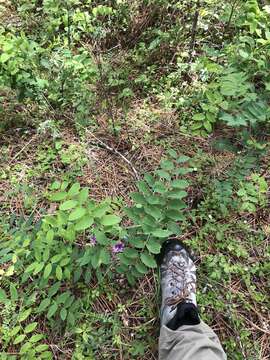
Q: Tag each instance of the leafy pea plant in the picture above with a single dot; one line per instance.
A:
(234, 97)
(51, 264)
(253, 193)
(157, 213)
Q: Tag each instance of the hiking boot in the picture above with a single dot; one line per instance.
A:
(178, 286)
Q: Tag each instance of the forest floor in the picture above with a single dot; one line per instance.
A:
(125, 321)
(119, 95)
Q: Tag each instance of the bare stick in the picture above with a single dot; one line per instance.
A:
(106, 146)
(22, 149)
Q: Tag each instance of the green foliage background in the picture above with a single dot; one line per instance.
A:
(177, 92)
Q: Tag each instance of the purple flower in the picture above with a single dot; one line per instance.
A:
(93, 240)
(118, 247)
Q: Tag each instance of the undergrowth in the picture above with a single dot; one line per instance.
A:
(124, 124)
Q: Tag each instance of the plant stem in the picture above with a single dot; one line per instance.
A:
(194, 30)
(231, 14)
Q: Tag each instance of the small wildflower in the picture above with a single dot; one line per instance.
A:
(93, 240)
(118, 247)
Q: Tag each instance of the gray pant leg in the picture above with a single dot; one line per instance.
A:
(190, 342)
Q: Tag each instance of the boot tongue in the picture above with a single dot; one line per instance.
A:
(186, 314)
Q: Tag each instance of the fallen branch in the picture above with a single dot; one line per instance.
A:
(114, 151)
(22, 149)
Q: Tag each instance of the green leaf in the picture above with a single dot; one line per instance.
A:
(5, 57)
(243, 54)
(208, 126)
(233, 84)
(95, 262)
(100, 210)
(180, 184)
(47, 271)
(64, 185)
(167, 165)
(110, 220)
(85, 223)
(175, 215)
(41, 347)
(63, 314)
(104, 257)
(24, 315)
(154, 211)
(43, 305)
(53, 289)
(83, 195)
(172, 153)
(55, 185)
(153, 246)
(59, 273)
(159, 233)
(19, 339)
(176, 205)
(14, 331)
(26, 347)
(68, 205)
(56, 258)
(241, 192)
(71, 318)
(141, 268)
(163, 174)
(183, 171)
(31, 327)
(13, 292)
(62, 298)
(58, 196)
(74, 190)
(182, 159)
(3, 296)
(77, 214)
(38, 268)
(50, 236)
(198, 117)
(138, 198)
(35, 338)
(233, 120)
(45, 355)
(124, 260)
(101, 237)
(176, 194)
(155, 200)
(52, 310)
(143, 187)
(31, 267)
(135, 273)
(148, 260)
(137, 242)
(122, 269)
(131, 253)
(159, 187)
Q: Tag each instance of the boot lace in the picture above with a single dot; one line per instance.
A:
(178, 280)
